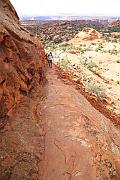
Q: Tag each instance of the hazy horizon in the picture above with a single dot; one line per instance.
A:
(69, 14)
(73, 7)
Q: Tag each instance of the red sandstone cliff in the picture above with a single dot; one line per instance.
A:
(22, 63)
(21, 59)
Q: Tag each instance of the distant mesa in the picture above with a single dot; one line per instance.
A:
(87, 34)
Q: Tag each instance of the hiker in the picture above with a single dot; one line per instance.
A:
(49, 58)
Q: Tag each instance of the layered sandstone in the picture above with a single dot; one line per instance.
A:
(22, 65)
(22, 58)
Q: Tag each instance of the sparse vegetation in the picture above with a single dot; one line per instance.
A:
(64, 63)
(95, 55)
(118, 61)
(113, 52)
(99, 91)
(99, 48)
(118, 82)
(91, 65)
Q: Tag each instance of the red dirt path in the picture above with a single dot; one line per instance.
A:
(80, 142)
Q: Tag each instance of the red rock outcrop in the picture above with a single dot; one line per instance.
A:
(87, 34)
(22, 66)
(90, 34)
(21, 59)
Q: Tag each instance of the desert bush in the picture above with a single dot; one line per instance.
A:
(100, 45)
(90, 57)
(104, 51)
(118, 82)
(118, 61)
(64, 63)
(113, 52)
(96, 49)
(78, 48)
(99, 48)
(99, 91)
(81, 45)
(83, 51)
(91, 65)
(93, 43)
(114, 40)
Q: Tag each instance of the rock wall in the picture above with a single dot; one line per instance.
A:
(22, 59)
(22, 66)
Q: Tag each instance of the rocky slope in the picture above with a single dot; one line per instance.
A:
(21, 59)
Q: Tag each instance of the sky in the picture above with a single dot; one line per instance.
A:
(54, 7)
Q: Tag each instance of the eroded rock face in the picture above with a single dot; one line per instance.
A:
(21, 59)
(22, 65)
(87, 34)
(90, 34)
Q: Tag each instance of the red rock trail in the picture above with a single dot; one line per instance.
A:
(47, 132)
(80, 142)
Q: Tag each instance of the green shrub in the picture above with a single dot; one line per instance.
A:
(99, 91)
(91, 65)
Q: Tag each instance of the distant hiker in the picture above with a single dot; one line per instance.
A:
(49, 58)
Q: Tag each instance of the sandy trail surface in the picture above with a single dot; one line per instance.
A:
(80, 142)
